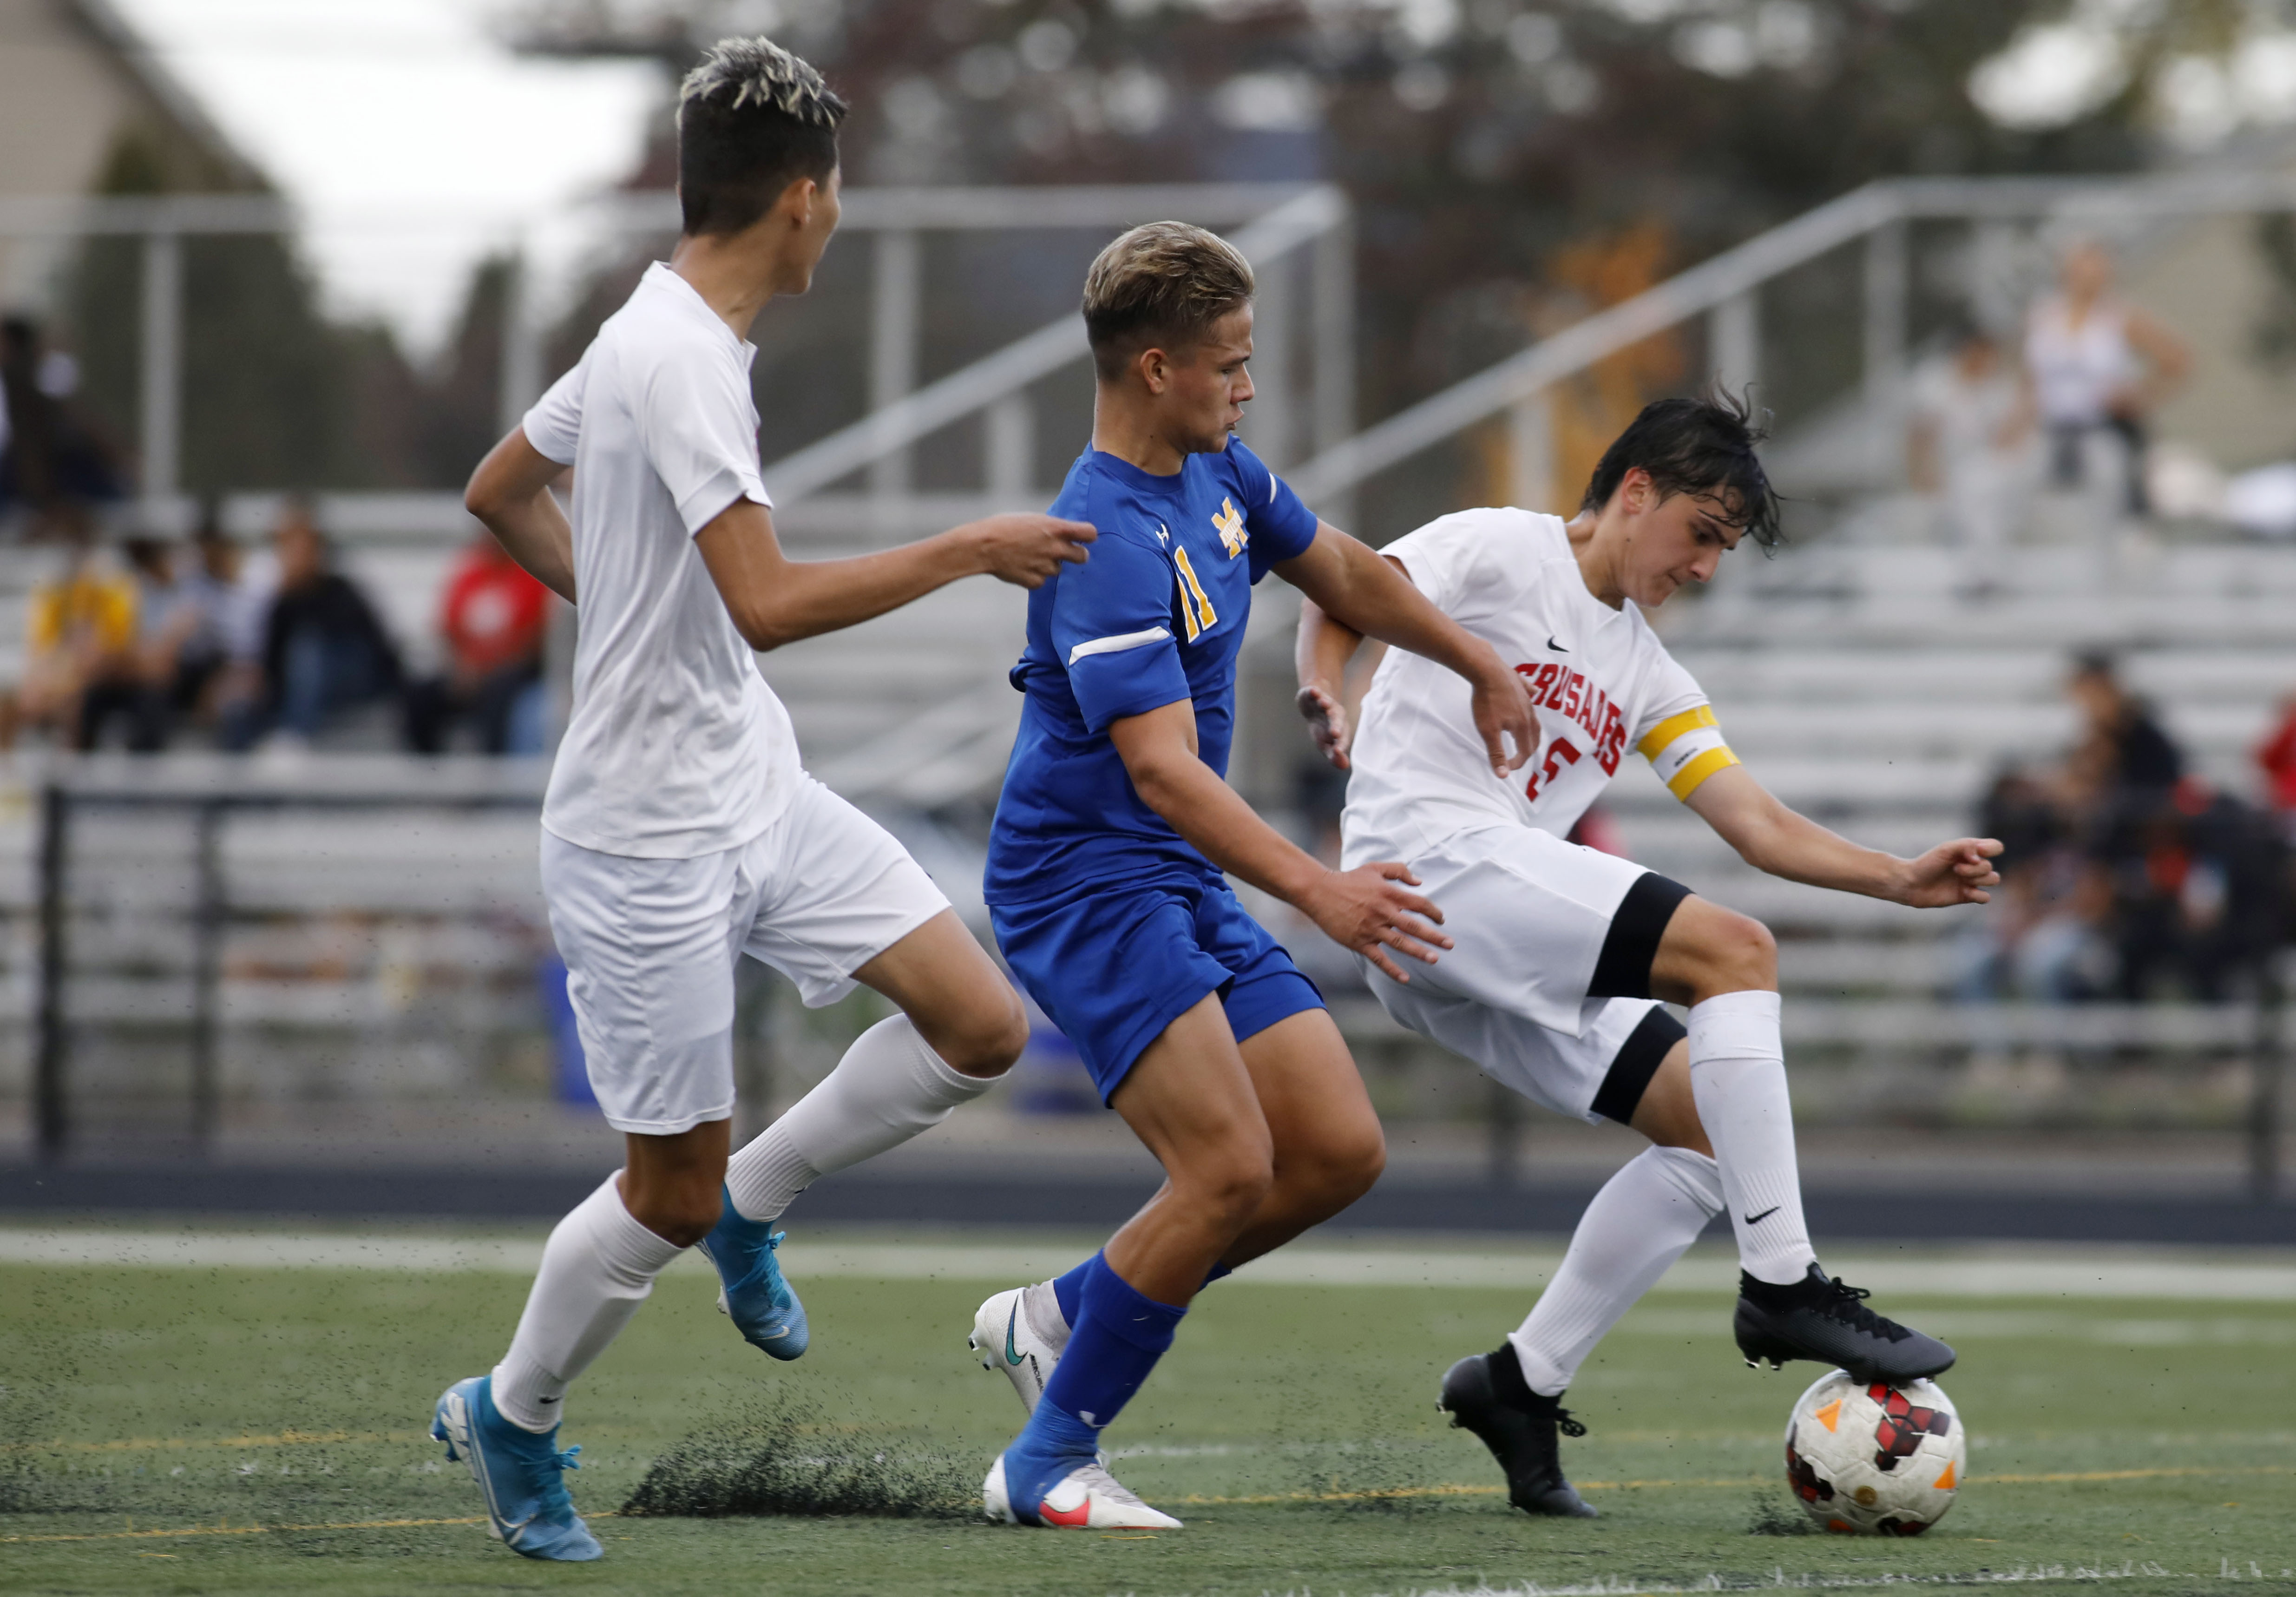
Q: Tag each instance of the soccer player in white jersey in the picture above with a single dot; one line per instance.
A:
(1561, 953)
(680, 831)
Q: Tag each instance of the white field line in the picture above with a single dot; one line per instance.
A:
(2039, 1274)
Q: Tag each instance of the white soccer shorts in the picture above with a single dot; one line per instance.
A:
(651, 944)
(1529, 914)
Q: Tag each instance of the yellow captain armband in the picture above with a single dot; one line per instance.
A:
(1685, 749)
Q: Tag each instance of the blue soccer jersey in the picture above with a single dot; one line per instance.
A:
(1155, 616)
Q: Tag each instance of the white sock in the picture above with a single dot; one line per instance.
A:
(1634, 1230)
(597, 1267)
(1738, 1076)
(888, 1087)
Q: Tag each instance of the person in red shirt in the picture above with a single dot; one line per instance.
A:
(492, 620)
(2276, 757)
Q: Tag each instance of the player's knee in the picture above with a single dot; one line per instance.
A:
(1230, 1187)
(1741, 955)
(987, 1038)
(1349, 1166)
(683, 1214)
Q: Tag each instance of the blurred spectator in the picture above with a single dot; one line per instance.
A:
(53, 461)
(2197, 880)
(2131, 758)
(2122, 877)
(2276, 757)
(2098, 368)
(1966, 445)
(79, 634)
(147, 692)
(231, 595)
(493, 619)
(325, 648)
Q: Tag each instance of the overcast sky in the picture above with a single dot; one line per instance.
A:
(414, 141)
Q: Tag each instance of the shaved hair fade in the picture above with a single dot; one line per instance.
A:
(1162, 285)
(752, 118)
(1702, 446)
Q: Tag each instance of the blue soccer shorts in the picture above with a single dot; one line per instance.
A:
(1115, 967)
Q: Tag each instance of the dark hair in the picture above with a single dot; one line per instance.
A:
(752, 118)
(1163, 282)
(1701, 447)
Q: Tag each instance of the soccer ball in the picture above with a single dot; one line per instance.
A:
(1876, 1460)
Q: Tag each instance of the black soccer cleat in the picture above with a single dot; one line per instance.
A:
(1485, 1393)
(1827, 1321)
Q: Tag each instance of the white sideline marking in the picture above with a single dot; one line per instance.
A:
(2040, 1273)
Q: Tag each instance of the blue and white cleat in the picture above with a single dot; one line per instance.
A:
(750, 1287)
(1020, 1331)
(1087, 1498)
(518, 1473)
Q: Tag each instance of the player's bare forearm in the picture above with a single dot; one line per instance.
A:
(1355, 585)
(1322, 649)
(774, 600)
(1782, 842)
(1352, 585)
(1173, 780)
(1363, 910)
(509, 494)
(1320, 654)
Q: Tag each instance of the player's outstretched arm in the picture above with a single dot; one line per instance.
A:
(509, 492)
(774, 600)
(1353, 585)
(1367, 909)
(1770, 837)
(1321, 653)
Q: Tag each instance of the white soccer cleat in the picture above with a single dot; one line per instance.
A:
(1020, 1332)
(1087, 1498)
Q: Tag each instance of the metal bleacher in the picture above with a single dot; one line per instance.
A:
(374, 954)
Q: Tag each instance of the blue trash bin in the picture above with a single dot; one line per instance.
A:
(569, 1069)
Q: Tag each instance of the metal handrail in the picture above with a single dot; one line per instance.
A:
(1715, 283)
(1298, 221)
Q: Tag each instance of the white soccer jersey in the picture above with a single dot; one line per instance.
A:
(676, 747)
(1602, 681)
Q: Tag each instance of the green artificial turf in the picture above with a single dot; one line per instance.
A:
(172, 1429)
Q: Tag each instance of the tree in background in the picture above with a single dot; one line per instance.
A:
(1487, 142)
(274, 394)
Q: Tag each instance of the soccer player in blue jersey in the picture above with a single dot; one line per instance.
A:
(1104, 869)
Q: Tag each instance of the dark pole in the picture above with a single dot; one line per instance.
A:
(2269, 1074)
(207, 973)
(49, 1068)
(1504, 1149)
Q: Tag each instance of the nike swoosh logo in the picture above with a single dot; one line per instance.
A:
(1766, 1214)
(1012, 1355)
(1558, 648)
(1079, 1516)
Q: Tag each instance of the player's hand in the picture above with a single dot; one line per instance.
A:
(1366, 911)
(1327, 723)
(1951, 873)
(1026, 549)
(1502, 706)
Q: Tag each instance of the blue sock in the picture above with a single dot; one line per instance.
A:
(1114, 1345)
(1070, 1289)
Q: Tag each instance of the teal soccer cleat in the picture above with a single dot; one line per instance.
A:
(518, 1473)
(751, 1289)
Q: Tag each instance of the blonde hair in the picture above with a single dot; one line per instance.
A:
(1163, 282)
(741, 74)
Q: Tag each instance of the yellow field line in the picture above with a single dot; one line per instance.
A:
(1731, 1480)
